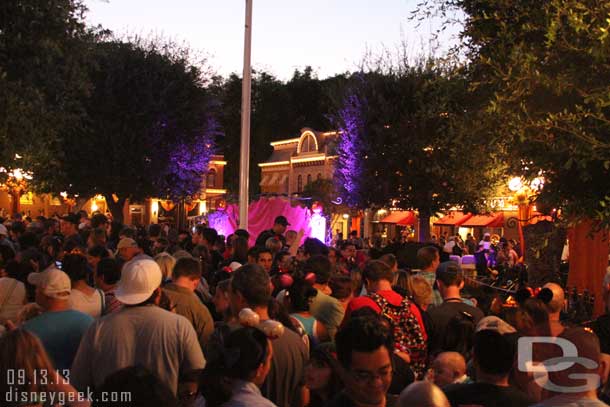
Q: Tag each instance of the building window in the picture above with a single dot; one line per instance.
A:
(300, 183)
(211, 179)
(308, 145)
(308, 179)
(319, 176)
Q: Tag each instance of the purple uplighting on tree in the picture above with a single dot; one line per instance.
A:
(350, 149)
(188, 163)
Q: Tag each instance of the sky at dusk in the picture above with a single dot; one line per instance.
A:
(330, 35)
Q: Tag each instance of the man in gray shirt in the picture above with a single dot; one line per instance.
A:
(139, 334)
(250, 288)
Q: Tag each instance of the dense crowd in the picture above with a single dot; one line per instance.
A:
(98, 313)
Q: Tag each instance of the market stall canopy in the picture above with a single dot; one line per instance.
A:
(454, 218)
(492, 220)
(402, 218)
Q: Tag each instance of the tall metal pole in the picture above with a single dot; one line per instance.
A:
(244, 166)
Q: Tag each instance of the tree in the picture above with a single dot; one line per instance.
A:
(150, 129)
(401, 145)
(43, 82)
(541, 69)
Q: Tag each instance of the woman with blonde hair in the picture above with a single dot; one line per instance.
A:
(420, 290)
(166, 263)
(27, 376)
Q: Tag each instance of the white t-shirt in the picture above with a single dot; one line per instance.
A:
(12, 295)
(88, 304)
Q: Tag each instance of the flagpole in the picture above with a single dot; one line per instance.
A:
(244, 167)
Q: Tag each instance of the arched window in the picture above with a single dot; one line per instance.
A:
(300, 183)
(308, 144)
(319, 176)
(211, 179)
(308, 179)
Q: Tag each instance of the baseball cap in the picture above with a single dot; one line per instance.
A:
(126, 242)
(495, 324)
(3, 230)
(281, 220)
(72, 218)
(448, 267)
(139, 279)
(54, 283)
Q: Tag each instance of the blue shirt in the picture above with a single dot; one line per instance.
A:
(60, 333)
(247, 394)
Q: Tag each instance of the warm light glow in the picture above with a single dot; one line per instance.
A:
(215, 191)
(381, 212)
(154, 206)
(64, 194)
(94, 206)
(515, 184)
(17, 174)
(203, 208)
(537, 184)
(274, 163)
(318, 227)
(218, 162)
(284, 142)
(320, 157)
(345, 216)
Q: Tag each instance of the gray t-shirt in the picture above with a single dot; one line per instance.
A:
(285, 378)
(328, 311)
(161, 341)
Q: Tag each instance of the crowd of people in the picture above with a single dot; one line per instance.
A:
(94, 312)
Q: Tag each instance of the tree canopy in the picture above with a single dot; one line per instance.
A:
(150, 129)
(541, 70)
(402, 146)
(43, 82)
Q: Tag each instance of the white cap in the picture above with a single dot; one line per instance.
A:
(126, 242)
(3, 230)
(234, 265)
(54, 283)
(139, 279)
(495, 324)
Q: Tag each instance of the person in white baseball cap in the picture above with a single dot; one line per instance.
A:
(140, 279)
(53, 284)
(59, 327)
(141, 333)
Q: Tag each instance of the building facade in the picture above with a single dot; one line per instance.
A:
(298, 161)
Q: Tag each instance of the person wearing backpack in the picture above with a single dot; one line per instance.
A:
(405, 319)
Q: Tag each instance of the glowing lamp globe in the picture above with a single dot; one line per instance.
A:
(515, 184)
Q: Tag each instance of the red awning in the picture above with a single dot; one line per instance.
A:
(454, 218)
(494, 220)
(400, 218)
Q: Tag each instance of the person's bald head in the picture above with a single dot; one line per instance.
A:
(423, 394)
(448, 367)
(587, 344)
(556, 304)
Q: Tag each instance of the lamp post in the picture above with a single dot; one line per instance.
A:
(244, 167)
(523, 195)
